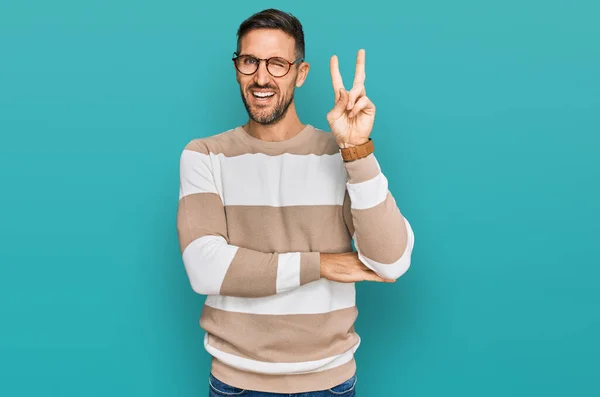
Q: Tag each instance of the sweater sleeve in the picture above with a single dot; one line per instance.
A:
(381, 234)
(213, 265)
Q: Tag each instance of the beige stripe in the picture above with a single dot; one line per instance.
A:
(241, 277)
(236, 142)
(198, 215)
(362, 170)
(310, 267)
(288, 338)
(262, 232)
(347, 214)
(300, 383)
(380, 231)
(198, 145)
(289, 229)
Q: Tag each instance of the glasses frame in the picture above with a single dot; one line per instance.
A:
(267, 60)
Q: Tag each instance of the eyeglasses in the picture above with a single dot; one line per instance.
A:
(276, 66)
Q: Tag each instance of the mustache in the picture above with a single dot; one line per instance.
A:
(263, 87)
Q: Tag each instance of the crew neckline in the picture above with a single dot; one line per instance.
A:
(297, 139)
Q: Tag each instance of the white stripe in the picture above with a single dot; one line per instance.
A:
(301, 367)
(321, 296)
(284, 180)
(197, 174)
(391, 270)
(259, 179)
(368, 194)
(206, 261)
(288, 271)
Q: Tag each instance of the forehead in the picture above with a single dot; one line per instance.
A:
(265, 43)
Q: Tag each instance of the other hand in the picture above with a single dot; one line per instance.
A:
(352, 117)
(347, 268)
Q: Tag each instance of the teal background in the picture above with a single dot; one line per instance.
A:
(487, 128)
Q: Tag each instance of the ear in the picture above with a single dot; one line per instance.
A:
(237, 75)
(302, 73)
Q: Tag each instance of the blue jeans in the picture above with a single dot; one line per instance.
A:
(221, 389)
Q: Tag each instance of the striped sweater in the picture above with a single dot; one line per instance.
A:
(253, 217)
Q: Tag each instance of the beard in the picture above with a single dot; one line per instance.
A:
(268, 116)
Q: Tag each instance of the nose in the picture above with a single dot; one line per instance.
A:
(262, 75)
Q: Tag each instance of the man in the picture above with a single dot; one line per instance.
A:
(267, 215)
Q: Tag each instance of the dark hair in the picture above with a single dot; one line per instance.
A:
(274, 19)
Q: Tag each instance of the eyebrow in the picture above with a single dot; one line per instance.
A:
(257, 57)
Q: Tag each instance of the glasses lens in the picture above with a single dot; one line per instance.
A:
(246, 64)
(278, 66)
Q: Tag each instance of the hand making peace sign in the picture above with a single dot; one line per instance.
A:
(351, 119)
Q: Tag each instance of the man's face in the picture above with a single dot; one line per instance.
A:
(266, 97)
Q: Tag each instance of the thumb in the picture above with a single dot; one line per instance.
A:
(340, 106)
(372, 276)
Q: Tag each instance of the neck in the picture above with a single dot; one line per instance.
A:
(286, 128)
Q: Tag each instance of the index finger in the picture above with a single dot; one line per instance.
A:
(372, 276)
(359, 73)
(336, 77)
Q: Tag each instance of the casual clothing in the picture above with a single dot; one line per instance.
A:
(253, 218)
(218, 388)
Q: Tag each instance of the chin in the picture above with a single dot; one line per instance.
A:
(264, 118)
(264, 114)
(268, 113)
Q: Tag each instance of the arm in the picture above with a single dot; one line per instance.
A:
(382, 236)
(213, 265)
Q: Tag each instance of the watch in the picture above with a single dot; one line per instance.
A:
(357, 152)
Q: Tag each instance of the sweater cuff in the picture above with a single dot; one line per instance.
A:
(310, 267)
(362, 170)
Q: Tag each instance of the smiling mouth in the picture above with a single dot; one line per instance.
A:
(262, 95)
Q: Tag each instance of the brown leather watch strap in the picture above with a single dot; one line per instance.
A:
(358, 152)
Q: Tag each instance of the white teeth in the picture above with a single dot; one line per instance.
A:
(263, 94)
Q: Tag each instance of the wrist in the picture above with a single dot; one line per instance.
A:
(357, 152)
(310, 267)
(323, 263)
(346, 145)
